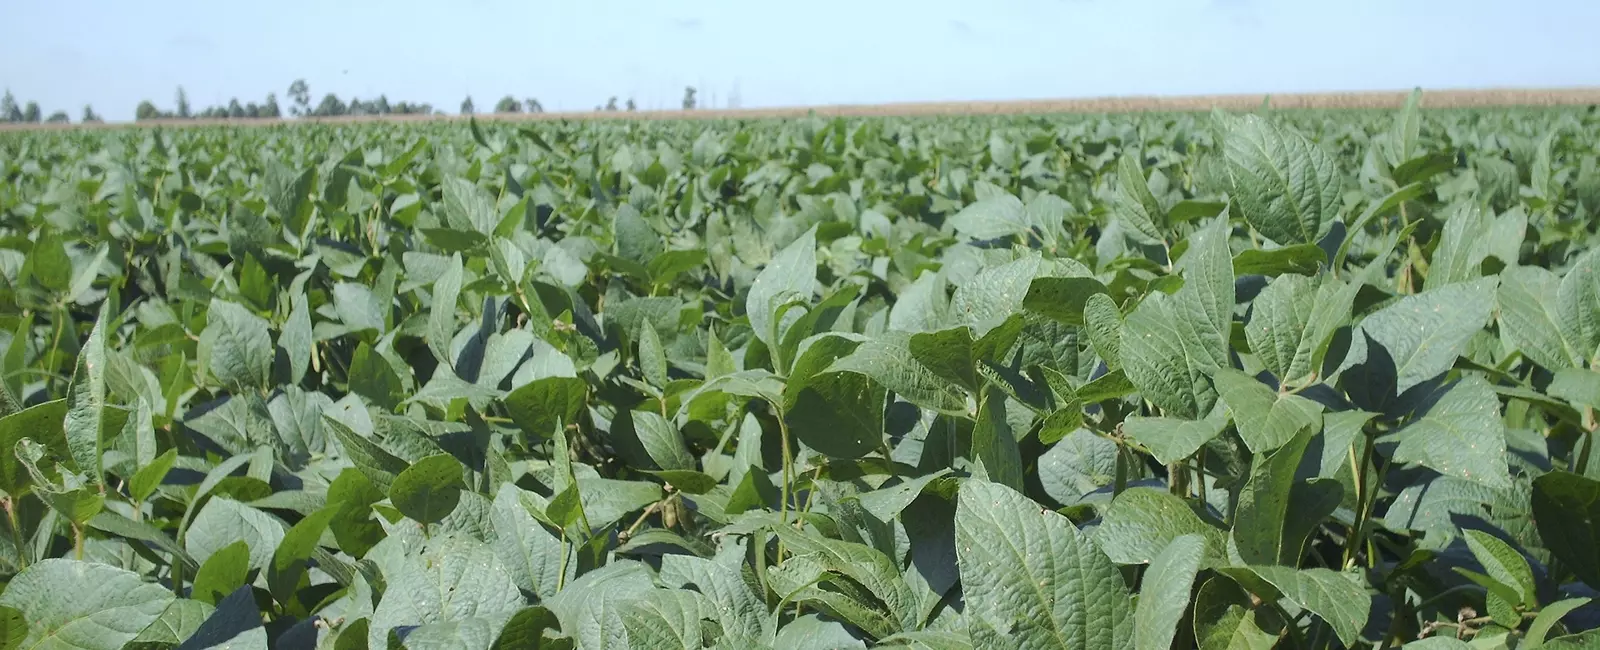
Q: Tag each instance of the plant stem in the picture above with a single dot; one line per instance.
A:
(788, 476)
(1363, 497)
(1121, 483)
(16, 532)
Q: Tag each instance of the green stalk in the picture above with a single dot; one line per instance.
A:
(788, 477)
(16, 532)
(1363, 502)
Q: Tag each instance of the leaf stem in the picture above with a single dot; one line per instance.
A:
(10, 506)
(1363, 501)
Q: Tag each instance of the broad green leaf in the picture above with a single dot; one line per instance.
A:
(442, 311)
(531, 555)
(740, 609)
(1276, 513)
(1063, 299)
(1142, 522)
(1462, 246)
(1265, 419)
(652, 360)
(1461, 434)
(1425, 332)
(1033, 581)
(887, 359)
(791, 276)
(1286, 186)
(41, 424)
(1080, 463)
(379, 466)
(224, 521)
(991, 218)
(890, 607)
(177, 624)
(1171, 440)
(1165, 592)
(527, 631)
(1530, 319)
(372, 377)
(1135, 204)
(1580, 386)
(450, 579)
(839, 414)
(428, 490)
(289, 560)
(1506, 566)
(1567, 509)
(543, 404)
(88, 420)
(1547, 619)
(994, 444)
(920, 306)
(1225, 620)
(590, 609)
(241, 346)
(635, 239)
(996, 293)
(662, 441)
(148, 478)
(1293, 320)
(294, 340)
(947, 353)
(1301, 259)
(1103, 324)
(1171, 345)
(669, 619)
(1334, 597)
(70, 604)
(1578, 304)
(226, 570)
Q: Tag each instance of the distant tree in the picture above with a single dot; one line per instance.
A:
(146, 111)
(183, 103)
(508, 104)
(688, 98)
(89, 116)
(31, 114)
(331, 106)
(611, 104)
(466, 106)
(9, 112)
(235, 109)
(300, 94)
(252, 110)
(58, 117)
(270, 109)
(357, 107)
(381, 107)
(532, 105)
(632, 106)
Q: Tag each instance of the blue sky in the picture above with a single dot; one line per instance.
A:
(573, 55)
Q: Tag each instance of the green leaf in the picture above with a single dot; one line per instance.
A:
(991, 218)
(442, 311)
(468, 207)
(996, 293)
(241, 346)
(1530, 319)
(1578, 303)
(83, 605)
(450, 579)
(294, 340)
(791, 276)
(372, 377)
(1302, 259)
(379, 466)
(1063, 299)
(1135, 204)
(226, 570)
(635, 239)
(1334, 597)
(289, 560)
(1141, 522)
(1103, 324)
(1031, 580)
(1172, 344)
(1425, 332)
(1580, 386)
(543, 404)
(994, 444)
(1165, 592)
(1170, 439)
(42, 424)
(1266, 419)
(532, 555)
(1293, 320)
(1286, 186)
(148, 478)
(652, 360)
(669, 619)
(1462, 246)
(1461, 434)
(88, 420)
(1566, 507)
(839, 414)
(1506, 566)
(887, 359)
(1547, 619)
(948, 353)
(1276, 513)
(662, 441)
(224, 521)
(526, 631)
(1225, 620)
(835, 575)
(429, 489)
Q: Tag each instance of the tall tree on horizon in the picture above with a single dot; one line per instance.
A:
(466, 106)
(183, 103)
(300, 94)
